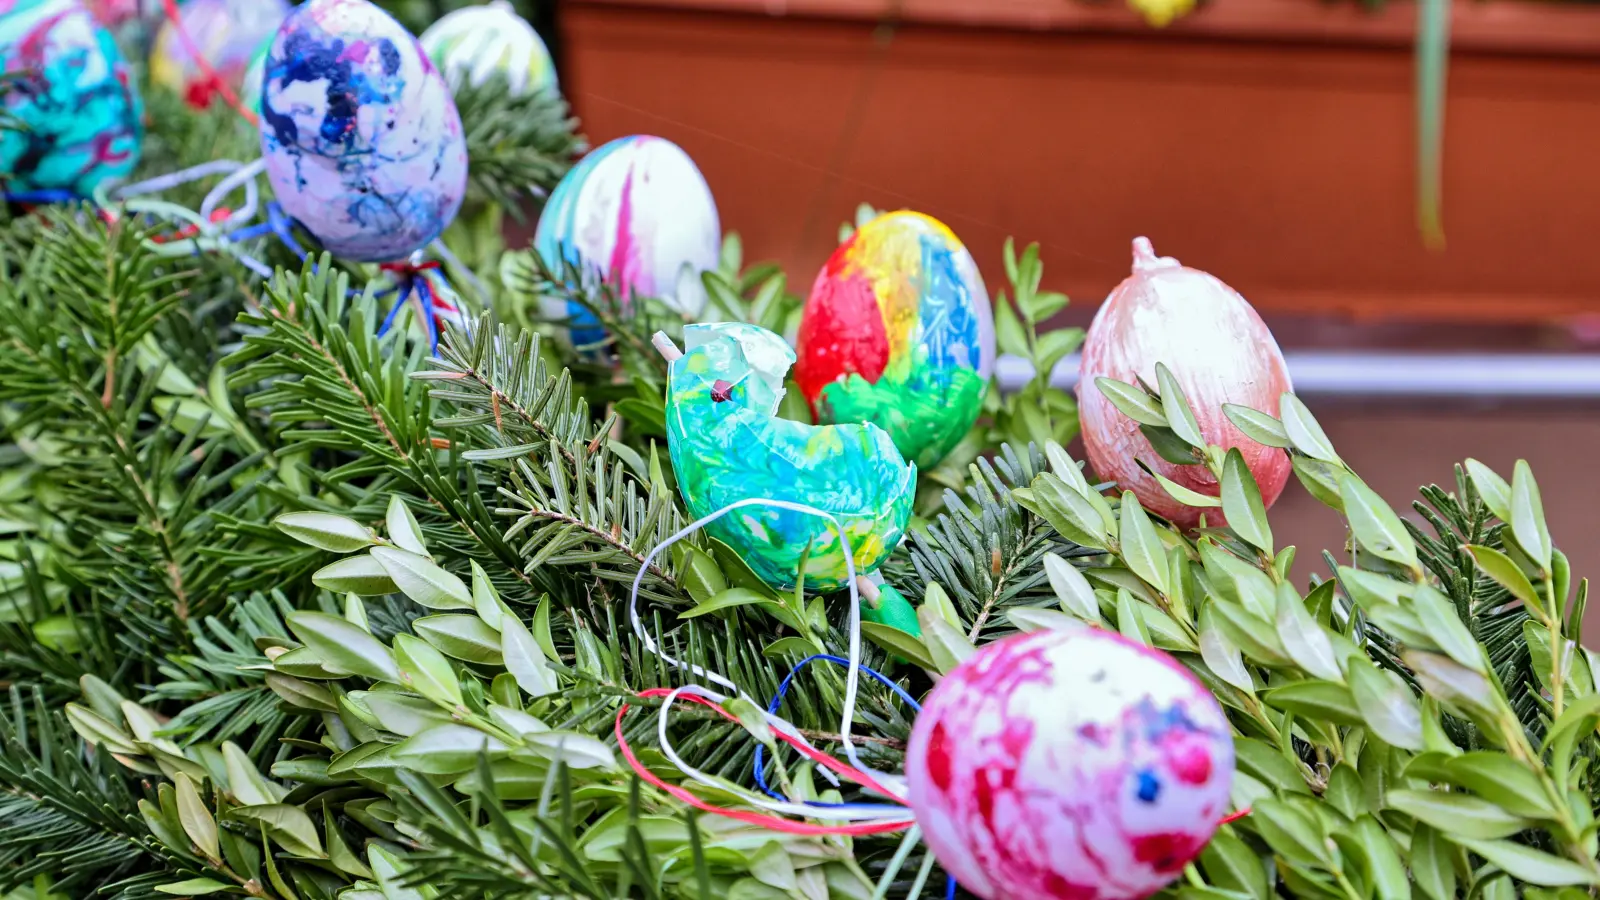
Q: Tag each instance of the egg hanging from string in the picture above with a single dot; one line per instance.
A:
(727, 444)
(1071, 763)
(474, 43)
(637, 213)
(227, 33)
(898, 331)
(74, 95)
(362, 141)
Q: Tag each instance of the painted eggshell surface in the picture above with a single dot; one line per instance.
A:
(898, 331)
(360, 134)
(727, 446)
(75, 95)
(638, 213)
(1069, 765)
(474, 43)
(227, 32)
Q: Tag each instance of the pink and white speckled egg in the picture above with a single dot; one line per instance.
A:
(1069, 765)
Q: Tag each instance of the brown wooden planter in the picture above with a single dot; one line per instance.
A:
(1268, 141)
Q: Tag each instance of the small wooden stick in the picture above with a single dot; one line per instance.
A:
(869, 591)
(664, 345)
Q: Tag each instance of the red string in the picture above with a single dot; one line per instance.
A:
(406, 268)
(176, 18)
(189, 231)
(1235, 816)
(776, 823)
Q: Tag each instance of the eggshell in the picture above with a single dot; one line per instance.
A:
(473, 43)
(898, 331)
(1069, 764)
(638, 213)
(76, 96)
(361, 137)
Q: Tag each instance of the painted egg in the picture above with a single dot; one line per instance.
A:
(113, 13)
(638, 213)
(250, 89)
(1069, 764)
(898, 332)
(728, 445)
(227, 33)
(74, 94)
(360, 135)
(474, 43)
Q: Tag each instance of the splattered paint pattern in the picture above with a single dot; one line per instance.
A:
(361, 136)
(75, 94)
(637, 213)
(726, 446)
(898, 331)
(1069, 765)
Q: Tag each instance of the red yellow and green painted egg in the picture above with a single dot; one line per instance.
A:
(898, 332)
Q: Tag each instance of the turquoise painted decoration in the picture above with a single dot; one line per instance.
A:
(728, 445)
(74, 94)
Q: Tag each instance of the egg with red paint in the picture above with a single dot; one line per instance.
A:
(1069, 765)
(637, 213)
(362, 141)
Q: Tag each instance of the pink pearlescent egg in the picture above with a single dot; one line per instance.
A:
(1069, 765)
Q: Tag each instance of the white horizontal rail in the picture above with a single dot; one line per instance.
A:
(1460, 375)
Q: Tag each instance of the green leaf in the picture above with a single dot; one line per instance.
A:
(1290, 831)
(1494, 491)
(899, 644)
(403, 528)
(947, 647)
(339, 852)
(1169, 446)
(1323, 700)
(1180, 493)
(326, 531)
(578, 751)
(541, 629)
(1499, 566)
(400, 714)
(1386, 705)
(728, 599)
(1175, 408)
(390, 871)
(417, 577)
(288, 825)
(1384, 869)
(1072, 589)
(1257, 426)
(1527, 516)
(426, 670)
(1502, 781)
(1141, 547)
(936, 599)
(1229, 863)
(193, 887)
(461, 637)
(1376, 526)
(360, 575)
(99, 731)
(1303, 639)
(1241, 503)
(1129, 622)
(1070, 513)
(343, 647)
(1265, 764)
(1221, 655)
(1439, 619)
(524, 659)
(1238, 581)
(1459, 815)
(196, 818)
(1320, 479)
(245, 782)
(697, 572)
(1008, 331)
(1303, 431)
(1028, 619)
(445, 750)
(1431, 865)
(485, 599)
(301, 694)
(1132, 402)
(1527, 864)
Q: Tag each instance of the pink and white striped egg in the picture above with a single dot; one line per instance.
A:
(1069, 765)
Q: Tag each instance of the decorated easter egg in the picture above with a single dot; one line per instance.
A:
(113, 13)
(1073, 764)
(250, 89)
(74, 95)
(474, 43)
(227, 33)
(727, 445)
(636, 212)
(898, 331)
(360, 135)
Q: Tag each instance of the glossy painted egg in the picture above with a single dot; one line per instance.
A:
(1069, 764)
(474, 43)
(898, 331)
(360, 135)
(638, 213)
(227, 33)
(74, 94)
(250, 90)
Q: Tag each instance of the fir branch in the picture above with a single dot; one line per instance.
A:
(519, 145)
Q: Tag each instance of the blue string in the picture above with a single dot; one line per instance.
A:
(281, 227)
(429, 319)
(777, 703)
(45, 196)
(388, 321)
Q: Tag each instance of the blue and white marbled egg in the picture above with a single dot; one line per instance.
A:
(74, 94)
(360, 134)
(637, 213)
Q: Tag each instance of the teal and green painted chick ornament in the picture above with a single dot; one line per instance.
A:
(728, 445)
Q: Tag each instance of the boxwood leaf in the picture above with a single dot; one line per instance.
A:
(1375, 525)
(361, 575)
(326, 531)
(1527, 864)
(419, 578)
(1459, 815)
(403, 527)
(1241, 503)
(344, 647)
(427, 670)
(1527, 516)
(1302, 429)
(1257, 426)
(1132, 402)
(461, 637)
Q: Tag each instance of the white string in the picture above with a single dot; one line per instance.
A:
(852, 671)
(174, 179)
(244, 176)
